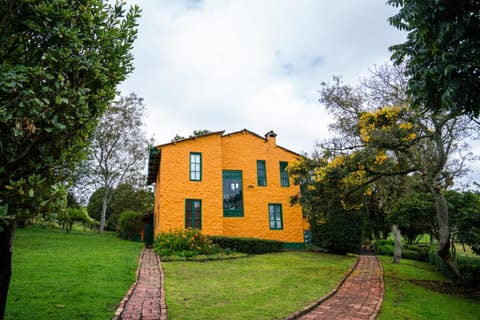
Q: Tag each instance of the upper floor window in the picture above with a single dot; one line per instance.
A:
(232, 193)
(284, 179)
(195, 166)
(261, 173)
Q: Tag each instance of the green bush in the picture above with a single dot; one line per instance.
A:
(414, 252)
(130, 224)
(184, 243)
(341, 232)
(384, 247)
(469, 268)
(72, 215)
(248, 245)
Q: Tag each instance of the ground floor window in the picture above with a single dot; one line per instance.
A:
(193, 214)
(275, 216)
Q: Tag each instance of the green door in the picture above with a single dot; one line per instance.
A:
(148, 234)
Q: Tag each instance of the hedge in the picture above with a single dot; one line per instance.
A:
(469, 268)
(414, 252)
(248, 245)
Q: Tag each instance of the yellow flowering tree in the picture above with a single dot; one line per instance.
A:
(379, 137)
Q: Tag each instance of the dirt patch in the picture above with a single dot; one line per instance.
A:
(448, 288)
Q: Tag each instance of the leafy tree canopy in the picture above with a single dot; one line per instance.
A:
(196, 133)
(442, 52)
(60, 62)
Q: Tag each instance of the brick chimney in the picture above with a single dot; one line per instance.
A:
(270, 136)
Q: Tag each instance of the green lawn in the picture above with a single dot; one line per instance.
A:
(405, 300)
(76, 276)
(269, 286)
(84, 276)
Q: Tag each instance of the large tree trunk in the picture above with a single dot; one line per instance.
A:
(6, 249)
(444, 233)
(103, 216)
(397, 249)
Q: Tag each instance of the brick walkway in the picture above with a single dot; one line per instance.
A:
(359, 297)
(146, 298)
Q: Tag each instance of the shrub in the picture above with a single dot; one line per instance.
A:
(248, 245)
(72, 215)
(184, 243)
(130, 224)
(384, 247)
(469, 268)
(341, 232)
(414, 252)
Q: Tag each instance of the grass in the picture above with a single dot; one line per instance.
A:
(81, 275)
(84, 276)
(405, 300)
(269, 286)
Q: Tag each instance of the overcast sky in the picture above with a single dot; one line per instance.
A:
(254, 64)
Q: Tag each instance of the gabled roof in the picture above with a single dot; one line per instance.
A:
(156, 152)
(190, 138)
(270, 133)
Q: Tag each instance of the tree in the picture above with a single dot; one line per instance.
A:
(196, 133)
(465, 216)
(118, 150)
(129, 198)
(442, 53)
(60, 62)
(95, 204)
(336, 218)
(384, 137)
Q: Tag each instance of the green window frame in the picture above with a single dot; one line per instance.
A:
(195, 166)
(275, 216)
(261, 173)
(284, 178)
(193, 213)
(232, 193)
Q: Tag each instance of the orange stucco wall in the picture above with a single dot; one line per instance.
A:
(174, 185)
(238, 151)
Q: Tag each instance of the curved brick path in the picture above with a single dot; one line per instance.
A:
(146, 298)
(359, 297)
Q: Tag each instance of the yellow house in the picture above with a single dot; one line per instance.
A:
(233, 184)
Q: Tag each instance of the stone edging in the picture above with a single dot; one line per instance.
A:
(127, 296)
(163, 305)
(380, 301)
(312, 306)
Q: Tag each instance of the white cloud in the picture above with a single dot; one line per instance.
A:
(252, 64)
(234, 64)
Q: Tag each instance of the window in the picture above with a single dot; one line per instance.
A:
(284, 179)
(195, 166)
(275, 216)
(232, 194)
(193, 214)
(261, 173)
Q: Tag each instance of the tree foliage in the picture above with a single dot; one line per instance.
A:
(442, 53)
(383, 146)
(118, 150)
(130, 224)
(60, 62)
(95, 203)
(124, 198)
(465, 218)
(196, 133)
(127, 197)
